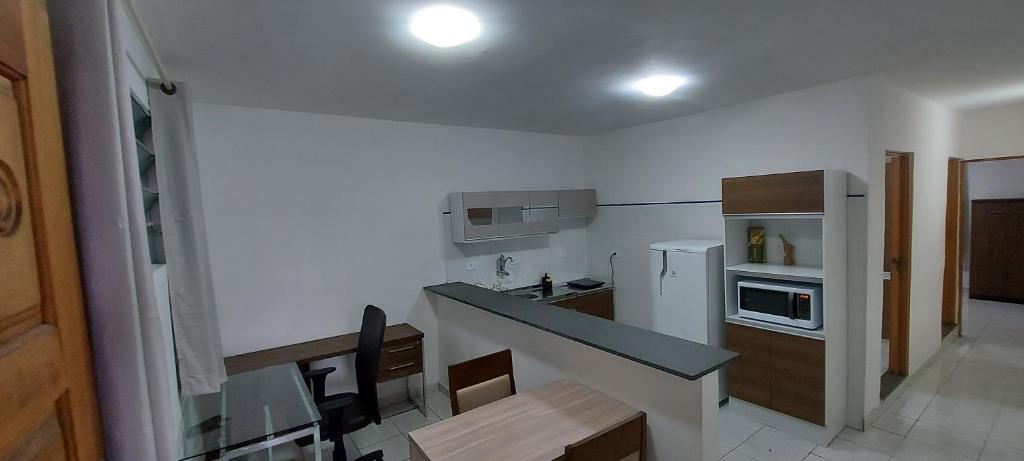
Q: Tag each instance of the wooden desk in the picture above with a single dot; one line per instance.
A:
(401, 356)
(319, 349)
(535, 425)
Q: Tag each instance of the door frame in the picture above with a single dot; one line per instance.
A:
(964, 242)
(955, 243)
(899, 315)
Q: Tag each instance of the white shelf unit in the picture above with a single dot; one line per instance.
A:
(812, 274)
(820, 252)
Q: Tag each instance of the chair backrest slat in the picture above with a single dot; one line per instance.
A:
(616, 443)
(480, 370)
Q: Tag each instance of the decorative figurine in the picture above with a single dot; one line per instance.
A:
(787, 249)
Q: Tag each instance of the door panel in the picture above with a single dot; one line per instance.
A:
(48, 410)
(19, 280)
(996, 252)
(896, 260)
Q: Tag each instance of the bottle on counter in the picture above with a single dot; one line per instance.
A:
(546, 285)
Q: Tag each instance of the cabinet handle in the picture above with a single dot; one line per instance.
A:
(399, 367)
(400, 349)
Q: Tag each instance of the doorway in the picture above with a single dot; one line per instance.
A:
(896, 269)
(994, 205)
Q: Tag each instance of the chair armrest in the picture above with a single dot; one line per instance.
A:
(317, 381)
(310, 374)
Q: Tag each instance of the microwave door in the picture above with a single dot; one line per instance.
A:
(768, 302)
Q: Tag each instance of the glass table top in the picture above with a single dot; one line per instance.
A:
(250, 407)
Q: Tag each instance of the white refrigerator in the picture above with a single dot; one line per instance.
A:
(689, 292)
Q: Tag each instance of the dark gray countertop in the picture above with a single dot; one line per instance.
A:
(679, 357)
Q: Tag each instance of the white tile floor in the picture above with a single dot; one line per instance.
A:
(968, 404)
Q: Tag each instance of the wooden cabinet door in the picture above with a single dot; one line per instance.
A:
(600, 304)
(798, 377)
(996, 250)
(749, 376)
(802, 192)
(48, 409)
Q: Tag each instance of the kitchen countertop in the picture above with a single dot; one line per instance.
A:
(558, 292)
(679, 357)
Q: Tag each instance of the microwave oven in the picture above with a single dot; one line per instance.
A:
(787, 303)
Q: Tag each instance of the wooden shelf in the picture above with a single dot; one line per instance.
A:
(775, 216)
(779, 271)
(813, 334)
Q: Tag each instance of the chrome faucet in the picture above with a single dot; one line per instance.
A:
(502, 261)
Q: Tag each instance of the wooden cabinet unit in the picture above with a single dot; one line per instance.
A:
(802, 192)
(783, 372)
(599, 304)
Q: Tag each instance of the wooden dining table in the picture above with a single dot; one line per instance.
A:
(533, 425)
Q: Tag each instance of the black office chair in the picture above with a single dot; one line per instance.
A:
(350, 411)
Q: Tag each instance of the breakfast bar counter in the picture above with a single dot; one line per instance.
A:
(673, 381)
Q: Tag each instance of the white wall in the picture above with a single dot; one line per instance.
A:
(991, 132)
(996, 179)
(901, 121)
(685, 159)
(310, 217)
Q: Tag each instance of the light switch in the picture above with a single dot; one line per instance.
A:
(470, 267)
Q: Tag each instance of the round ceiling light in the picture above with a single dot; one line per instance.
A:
(444, 26)
(659, 85)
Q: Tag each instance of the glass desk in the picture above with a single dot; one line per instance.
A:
(254, 411)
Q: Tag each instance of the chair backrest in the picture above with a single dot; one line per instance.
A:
(623, 442)
(480, 381)
(371, 339)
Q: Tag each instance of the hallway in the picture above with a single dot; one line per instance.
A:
(967, 404)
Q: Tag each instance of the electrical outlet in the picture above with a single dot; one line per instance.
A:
(470, 267)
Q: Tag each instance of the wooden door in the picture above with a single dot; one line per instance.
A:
(896, 259)
(952, 279)
(48, 410)
(996, 251)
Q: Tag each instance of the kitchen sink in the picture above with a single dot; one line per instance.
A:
(526, 296)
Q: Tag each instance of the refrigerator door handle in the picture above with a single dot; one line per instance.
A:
(664, 270)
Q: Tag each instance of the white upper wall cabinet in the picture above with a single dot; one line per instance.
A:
(479, 216)
(578, 203)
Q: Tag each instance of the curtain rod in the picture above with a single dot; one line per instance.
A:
(167, 86)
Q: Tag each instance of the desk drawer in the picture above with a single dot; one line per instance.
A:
(400, 370)
(397, 354)
(400, 360)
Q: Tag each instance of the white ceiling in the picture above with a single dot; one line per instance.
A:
(563, 66)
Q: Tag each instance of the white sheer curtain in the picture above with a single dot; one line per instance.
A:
(193, 309)
(135, 371)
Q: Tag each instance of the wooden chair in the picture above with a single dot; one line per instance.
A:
(623, 442)
(480, 381)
